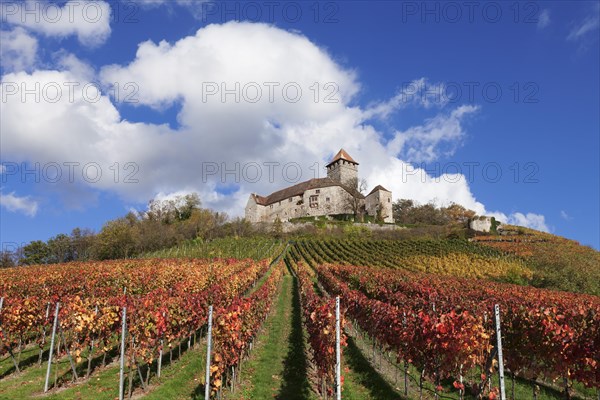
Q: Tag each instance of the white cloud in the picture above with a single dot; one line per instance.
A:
(222, 132)
(18, 51)
(89, 20)
(529, 220)
(198, 8)
(565, 216)
(418, 91)
(15, 203)
(440, 135)
(544, 19)
(588, 25)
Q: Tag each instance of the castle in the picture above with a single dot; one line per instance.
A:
(337, 194)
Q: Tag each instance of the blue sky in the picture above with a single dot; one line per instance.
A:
(493, 106)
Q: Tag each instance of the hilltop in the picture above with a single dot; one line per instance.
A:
(522, 256)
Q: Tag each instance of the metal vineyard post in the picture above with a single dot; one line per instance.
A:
(338, 364)
(500, 358)
(208, 350)
(122, 366)
(51, 347)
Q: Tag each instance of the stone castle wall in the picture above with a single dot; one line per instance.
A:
(254, 212)
(380, 199)
(329, 201)
(332, 200)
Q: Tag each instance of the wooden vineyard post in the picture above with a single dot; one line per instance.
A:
(461, 392)
(421, 384)
(500, 357)
(51, 347)
(338, 357)
(566, 383)
(122, 361)
(208, 350)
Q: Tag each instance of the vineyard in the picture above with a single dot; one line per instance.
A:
(557, 262)
(446, 257)
(443, 326)
(421, 310)
(166, 301)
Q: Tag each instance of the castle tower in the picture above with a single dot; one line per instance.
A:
(379, 204)
(342, 168)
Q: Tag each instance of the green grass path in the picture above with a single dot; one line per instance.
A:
(179, 380)
(361, 380)
(277, 367)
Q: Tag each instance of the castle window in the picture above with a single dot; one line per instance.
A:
(317, 191)
(389, 200)
(327, 199)
(290, 199)
(313, 201)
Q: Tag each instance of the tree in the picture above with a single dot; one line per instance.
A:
(380, 216)
(115, 240)
(60, 249)
(277, 229)
(405, 211)
(187, 205)
(355, 201)
(36, 252)
(82, 242)
(401, 208)
(7, 259)
(179, 208)
(457, 213)
(429, 214)
(238, 227)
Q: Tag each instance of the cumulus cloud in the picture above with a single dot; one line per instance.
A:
(18, 51)
(529, 220)
(260, 108)
(15, 203)
(89, 20)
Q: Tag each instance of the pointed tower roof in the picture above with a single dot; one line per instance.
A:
(377, 188)
(342, 155)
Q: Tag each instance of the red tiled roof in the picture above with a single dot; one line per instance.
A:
(342, 155)
(300, 188)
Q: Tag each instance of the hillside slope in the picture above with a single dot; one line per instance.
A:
(556, 262)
